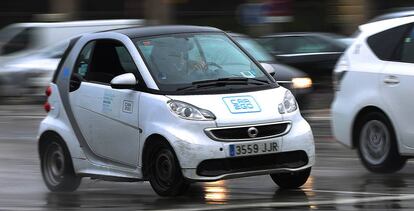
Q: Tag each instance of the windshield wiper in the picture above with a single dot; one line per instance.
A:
(224, 82)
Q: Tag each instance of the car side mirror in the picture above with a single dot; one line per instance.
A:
(124, 81)
(269, 68)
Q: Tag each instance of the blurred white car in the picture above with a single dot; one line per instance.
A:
(373, 108)
(30, 52)
(31, 74)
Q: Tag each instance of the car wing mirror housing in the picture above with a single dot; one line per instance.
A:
(269, 68)
(124, 81)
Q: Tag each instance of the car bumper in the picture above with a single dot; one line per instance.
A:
(191, 155)
(342, 122)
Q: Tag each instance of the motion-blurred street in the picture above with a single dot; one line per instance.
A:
(338, 181)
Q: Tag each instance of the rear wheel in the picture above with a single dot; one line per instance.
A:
(291, 180)
(377, 144)
(57, 168)
(165, 173)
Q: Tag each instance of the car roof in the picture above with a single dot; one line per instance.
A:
(396, 14)
(378, 26)
(81, 23)
(146, 31)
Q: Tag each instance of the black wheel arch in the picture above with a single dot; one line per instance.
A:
(47, 136)
(150, 144)
(357, 122)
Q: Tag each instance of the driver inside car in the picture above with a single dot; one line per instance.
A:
(178, 60)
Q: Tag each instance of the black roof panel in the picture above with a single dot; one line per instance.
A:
(146, 31)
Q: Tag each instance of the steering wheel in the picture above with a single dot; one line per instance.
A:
(219, 67)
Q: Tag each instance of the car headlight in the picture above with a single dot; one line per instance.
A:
(289, 104)
(190, 112)
(302, 83)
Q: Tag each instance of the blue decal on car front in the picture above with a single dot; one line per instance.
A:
(241, 104)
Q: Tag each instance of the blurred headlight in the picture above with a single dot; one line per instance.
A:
(302, 83)
(190, 112)
(289, 104)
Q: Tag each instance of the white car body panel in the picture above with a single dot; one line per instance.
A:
(363, 86)
(115, 136)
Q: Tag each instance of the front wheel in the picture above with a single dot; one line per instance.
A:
(291, 180)
(165, 173)
(57, 168)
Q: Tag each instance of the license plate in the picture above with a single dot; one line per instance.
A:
(253, 148)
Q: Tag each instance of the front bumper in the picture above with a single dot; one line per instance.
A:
(191, 155)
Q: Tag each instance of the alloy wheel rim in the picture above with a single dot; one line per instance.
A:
(375, 142)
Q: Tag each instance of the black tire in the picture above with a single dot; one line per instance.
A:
(291, 180)
(378, 150)
(56, 166)
(165, 174)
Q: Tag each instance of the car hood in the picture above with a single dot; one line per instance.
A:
(229, 108)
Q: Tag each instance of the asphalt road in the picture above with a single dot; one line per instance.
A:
(338, 181)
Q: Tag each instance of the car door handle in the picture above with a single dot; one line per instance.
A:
(391, 80)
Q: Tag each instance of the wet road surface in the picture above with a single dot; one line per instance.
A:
(338, 181)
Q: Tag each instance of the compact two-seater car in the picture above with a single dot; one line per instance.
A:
(162, 104)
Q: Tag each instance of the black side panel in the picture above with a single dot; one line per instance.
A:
(385, 43)
(62, 61)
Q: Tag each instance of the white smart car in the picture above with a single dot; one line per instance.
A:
(373, 106)
(172, 105)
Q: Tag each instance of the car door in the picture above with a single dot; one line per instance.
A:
(108, 118)
(397, 83)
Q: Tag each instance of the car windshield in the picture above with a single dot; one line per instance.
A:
(180, 60)
(254, 49)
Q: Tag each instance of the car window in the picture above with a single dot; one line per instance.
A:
(385, 43)
(177, 60)
(18, 42)
(83, 61)
(325, 44)
(221, 51)
(254, 49)
(407, 47)
(102, 60)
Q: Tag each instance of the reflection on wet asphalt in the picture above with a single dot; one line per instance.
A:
(338, 182)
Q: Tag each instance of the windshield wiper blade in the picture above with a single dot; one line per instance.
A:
(223, 82)
(232, 79)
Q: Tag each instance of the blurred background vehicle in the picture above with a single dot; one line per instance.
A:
(30, 52)
(314, 53)
(291, 78)
(30, 74)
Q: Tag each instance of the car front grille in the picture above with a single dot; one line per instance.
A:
(241, 133)
(217, 167)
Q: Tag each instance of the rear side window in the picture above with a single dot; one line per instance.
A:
(19, 42)
(406, 53)
(384, 44)
(84, 59)
(299, 44)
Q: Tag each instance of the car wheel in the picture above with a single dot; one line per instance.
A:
(291, 180)
(165, 174)
(377, 144)
(57, 168)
